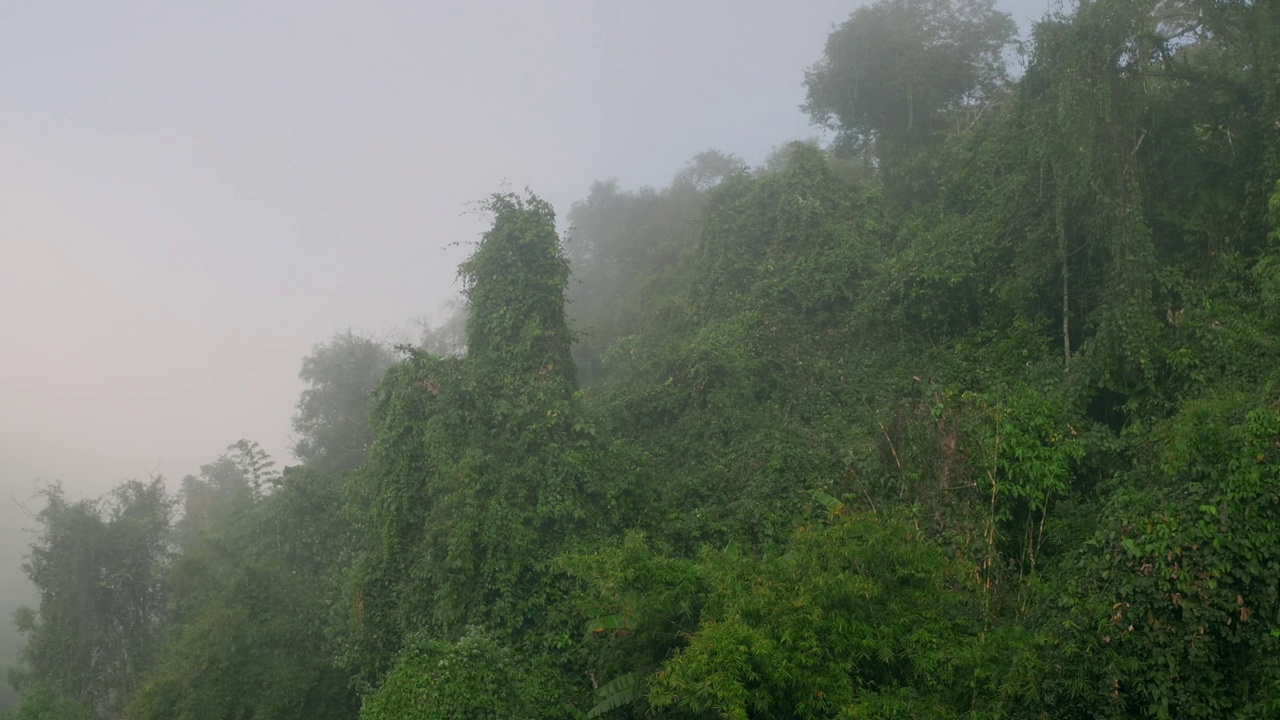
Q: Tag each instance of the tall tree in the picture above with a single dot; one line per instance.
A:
(898, 73)
(479, 472)
(898, 69)
(331, 422)
(98, 567)
(515, 283)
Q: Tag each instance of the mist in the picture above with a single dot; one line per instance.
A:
(191, 198)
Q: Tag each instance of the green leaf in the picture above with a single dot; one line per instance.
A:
(600, 624)
(830, 503)
(618, 692)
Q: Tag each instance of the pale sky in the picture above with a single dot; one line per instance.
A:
(193, 193)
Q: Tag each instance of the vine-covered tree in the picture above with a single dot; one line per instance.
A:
(514, 284)
(479, 473)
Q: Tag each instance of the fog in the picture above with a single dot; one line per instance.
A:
(192, 195)
(191, 198)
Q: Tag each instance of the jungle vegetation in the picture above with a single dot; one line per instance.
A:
(971, 413)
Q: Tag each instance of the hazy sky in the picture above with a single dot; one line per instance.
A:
(192, 194)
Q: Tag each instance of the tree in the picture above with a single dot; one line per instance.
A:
(475, 678)
(225, 490)
(898, 73)
(480, 468)
(728, 395)
(331, 421)
(898, 69)
(249, 592)
(629, 249)
(246, 645)
(864, 617)
(98, 567)
(514, 283)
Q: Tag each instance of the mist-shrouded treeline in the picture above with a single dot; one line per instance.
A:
(970, 413)
(12, 594)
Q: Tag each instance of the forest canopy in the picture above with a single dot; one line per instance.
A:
(971, 413)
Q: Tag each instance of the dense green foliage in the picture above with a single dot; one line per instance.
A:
(98, 568)
(860, 615)
(972, 414)
(246, 631)
(481, 473)
(473, 679)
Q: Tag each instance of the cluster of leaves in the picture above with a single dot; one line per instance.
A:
(1188, 558)
(861, 614)
(475, 678)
